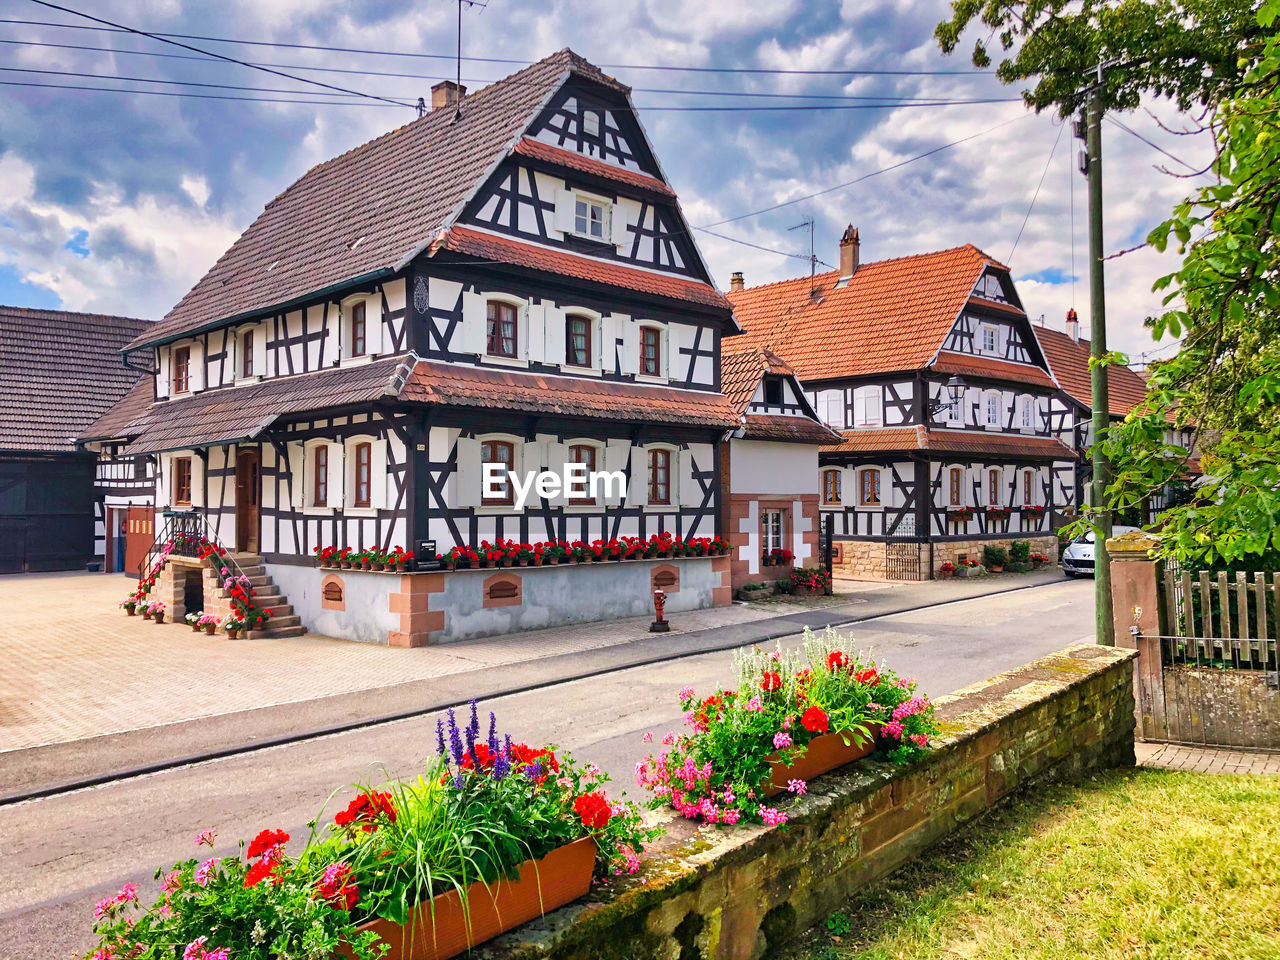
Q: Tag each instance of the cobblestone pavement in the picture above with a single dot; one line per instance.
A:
(1172, 756)
(76, 666)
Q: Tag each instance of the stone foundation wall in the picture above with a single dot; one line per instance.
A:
(955, 550)
(742, 893)
(859, 559)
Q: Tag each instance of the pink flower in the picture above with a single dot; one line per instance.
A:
(755, 705)
(222, 953)
(771, 816)
(165, 911)
(797, 787)
(781, 740)
(731, 816)
(919, 739)
(669, 739)
(103, 906)
(103, 954)
(593, 770)
(205, 838)
(786, 724)
(204, 871)
(195, 949)
(893, 729)
(172, 879)
(872, 705)
(686, 693)
(647, 738)
(128, 892)
(903, 682)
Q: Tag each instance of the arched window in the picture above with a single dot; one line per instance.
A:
(358, 330)
(585, 454)
(577, 340)
(831, 486)
(1028, 488)
(364, 465)
(320, 475)
(869, 487)
(181, 369)
(992, 407)
(659, 476)
(993, 487)
(501, 329)
(955, 491)
(503, 454)
(246, 353)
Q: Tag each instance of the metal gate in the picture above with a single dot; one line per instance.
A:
(902, 560)
(826, 553)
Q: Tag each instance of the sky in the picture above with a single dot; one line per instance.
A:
(119, 203)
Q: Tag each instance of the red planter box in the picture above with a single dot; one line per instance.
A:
(823, 754)
(445, 927)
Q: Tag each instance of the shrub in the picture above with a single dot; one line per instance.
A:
(785, 586)
(994, 556)
(1020, 551)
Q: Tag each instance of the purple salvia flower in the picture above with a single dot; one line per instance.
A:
(440, 737)
(455, 739)
(493, 734)
(501, 767)
(471, 748)
(533, 771)
(475, 719)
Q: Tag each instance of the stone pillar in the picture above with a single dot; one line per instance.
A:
(1135, 602)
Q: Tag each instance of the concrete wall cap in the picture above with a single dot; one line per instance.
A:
(1135, 541)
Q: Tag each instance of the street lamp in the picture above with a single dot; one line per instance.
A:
(955, 392)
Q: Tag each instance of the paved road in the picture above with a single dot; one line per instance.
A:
(59, 855)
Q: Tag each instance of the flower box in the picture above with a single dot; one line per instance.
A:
(446, 926)
(822, 755)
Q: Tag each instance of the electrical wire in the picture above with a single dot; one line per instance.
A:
(1153, 146)
(1043, 173)
(192, 96)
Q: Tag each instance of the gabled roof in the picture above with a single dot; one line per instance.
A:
(122, 419)
(891, 316)
(371, 209)
(1069, 361)
(59, 371)
(741, 371)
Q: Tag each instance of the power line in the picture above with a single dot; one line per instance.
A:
(116, 28)
(176, 83)
(193, 96)
(865, 176)
(1034, 196)
(1153, 146)
(217, 56)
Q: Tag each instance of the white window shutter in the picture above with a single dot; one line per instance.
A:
(686, 486)
(534, 346)
(618, 227)
(608, 334)
(616, 454)
(888, 496)
(336, 492)
(638, 489)
(468, 479)
(630, 335)
(197, 480)
(875, 401)
(553, 322)
(378, 475)
(195, 366)
(260, 349)
(564, 210)
(297, 481)
(557, 455)
(474, 322)
(859, 407)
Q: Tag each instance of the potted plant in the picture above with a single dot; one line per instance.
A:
(233, 624)
(129, 605)
(524, 554)
(810, 582)
(780, 557)
(146, 609)
(156, 609)
(193, 621)
(997, 514)
(1038, 560)
(947, 570)
(994, 558)
(345, 558)
(400, 558)
(967, 567)
(209, 623)
(960, 514)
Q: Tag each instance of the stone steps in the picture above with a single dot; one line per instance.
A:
(284, 622)
(277, 633)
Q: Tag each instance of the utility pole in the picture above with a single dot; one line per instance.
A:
(1098, 375)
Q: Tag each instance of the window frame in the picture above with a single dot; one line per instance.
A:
(832, 483)
(181, 466)
(509, 499)
(955, 486)
(863, 398)
(594, 449)
(246, 353)
(363, 451)
(497, 307)
(988, 398)
(646, 332)
(871, 496)
(1028, 488)
(185, 367)
(358, 329)
(995, 479)
(767, 541)
(774, 382)
(591, 201)
(983, 330)
(589, 347)
(320, 475)
(657, 454)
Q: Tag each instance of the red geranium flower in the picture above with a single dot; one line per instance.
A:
(815, 720)
(526, 756)
(770, 682)
(868, 676)
(265, 842)
(594, 810)
(836, 659)
(366, 810)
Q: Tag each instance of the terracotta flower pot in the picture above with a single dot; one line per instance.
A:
(823, 754)
(451, 565)
(130, 611)
(445, 927)
(366, 565)
(377, 566)
(232, 632)
(195, 628)
(158, 617)
(997, 568)
(946, 574)
(146, 614)
(210, 628)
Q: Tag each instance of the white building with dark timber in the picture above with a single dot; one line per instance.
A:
(509, 280)
(929, 369)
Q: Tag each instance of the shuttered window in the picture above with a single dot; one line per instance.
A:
(358, 330)
(182, 481)
(320, 477)
(503, 454)
(957, 487)
(830, 486)
(246, 354)
(181, 369)
(659, 476)
(577, 341)
(650, 351)
(585, 454)
(993, 487)
(364, 464)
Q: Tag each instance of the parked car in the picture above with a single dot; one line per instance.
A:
(1077, 559)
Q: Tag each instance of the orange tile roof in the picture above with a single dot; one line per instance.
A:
(538, 150)
(741, 370)
(787, 428)
(892, 315)
(908, 439)
(506, 250)
(967, 365)
(1069, 361)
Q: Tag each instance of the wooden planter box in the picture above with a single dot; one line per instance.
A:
(823, 755)
(445, 927)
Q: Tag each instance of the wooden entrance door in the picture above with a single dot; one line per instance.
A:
(248, 497)
(139, 534)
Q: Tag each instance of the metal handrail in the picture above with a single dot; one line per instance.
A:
(190, 525)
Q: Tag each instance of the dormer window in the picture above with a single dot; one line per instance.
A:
(501, 329)
(773, 391)
(246, 354)
(181, 369)
(577, 341)
(990, 339)
(359, 330)
(590, 218)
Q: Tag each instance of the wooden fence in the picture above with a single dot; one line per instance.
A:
(1213, 608)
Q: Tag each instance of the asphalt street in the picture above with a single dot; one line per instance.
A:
(59, 855)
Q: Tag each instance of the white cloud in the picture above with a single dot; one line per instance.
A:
(197, 188)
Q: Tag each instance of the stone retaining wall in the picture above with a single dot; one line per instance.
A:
(715, 893)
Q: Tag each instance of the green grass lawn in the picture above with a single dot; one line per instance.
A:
(1133, 863)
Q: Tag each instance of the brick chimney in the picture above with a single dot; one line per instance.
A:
(736, 282)
(446, 93)
(850, 246)
(1073, 325)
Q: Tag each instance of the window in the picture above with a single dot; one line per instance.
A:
(866, 406)
(503, 454)
(585, 454)
(956, 484)
(869, 488)
(589, 218)
(591, 123)
(577, 341)
(182, 481)
(830, 486)
(651, 351)
(834, 407)
(501, 330)
(320, 477)
(358, 330)
(659, 476)
(246, 354)
(1028, 488)
(1025, 418)
(773, 391)
(771, 530)
(993, 487)
(181, 370)
(989, 339)
(992, 407)
(364, 464)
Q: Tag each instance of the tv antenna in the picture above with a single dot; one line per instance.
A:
(813, 260)
(457, 110)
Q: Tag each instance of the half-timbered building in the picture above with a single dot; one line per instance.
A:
(62, 508)
(507, 280)
(930, 370)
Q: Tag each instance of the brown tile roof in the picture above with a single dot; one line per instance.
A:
(1069, 361)
(120, 419)
(741, 369)
(906, 439)
(392, 194)
(967, 365)
(786, 428)
(538, 150)
(59, 371)
(893, 315)
(227, 415)
(501, 249)
(505, 390)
